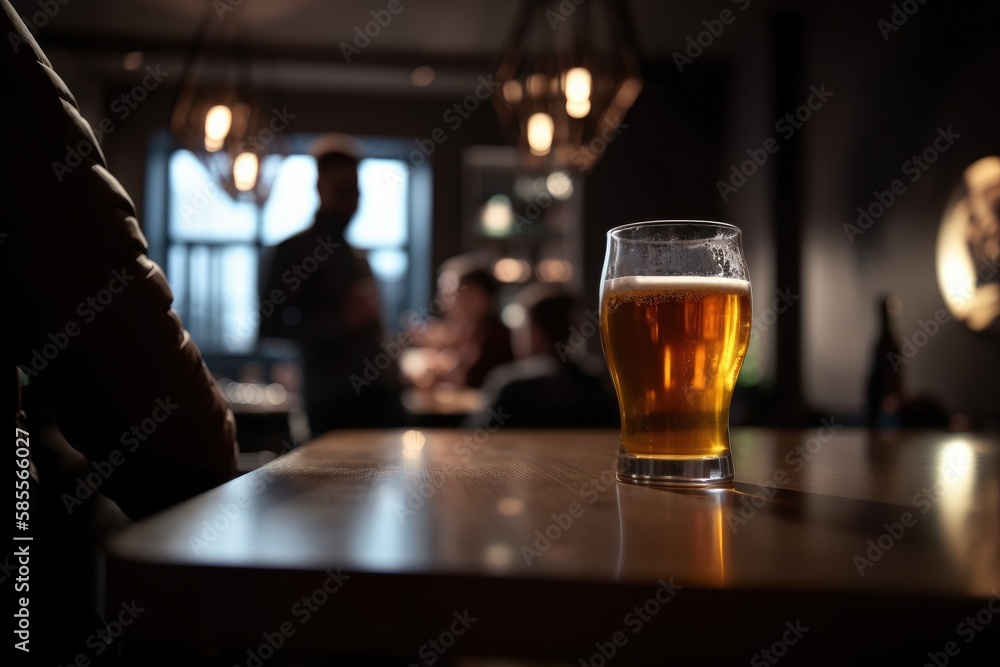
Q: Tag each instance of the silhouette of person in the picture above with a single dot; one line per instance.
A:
(117, 404)
(551, 383)
(326, 301)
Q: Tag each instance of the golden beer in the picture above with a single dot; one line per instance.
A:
(674, 345)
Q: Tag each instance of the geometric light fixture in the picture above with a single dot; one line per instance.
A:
(218, 114)
(568, 74)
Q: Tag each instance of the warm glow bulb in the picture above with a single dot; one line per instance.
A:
(554, 270)
(577, 84)
(578, 109)
(540, 132)
(498, 216)
(212, 145)
(245, 171)
(512, 91)
(559, 185)
(218, 121)
(510, 270)
(423, 76)
(537, 85)
(413, 442)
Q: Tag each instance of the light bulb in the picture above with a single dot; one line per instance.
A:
(212, 145)
(554, 270)
(578, 109)
(540, 132)
(577, 84)
(559, 185)
(218, 122)
(245, 171)
(510, 270)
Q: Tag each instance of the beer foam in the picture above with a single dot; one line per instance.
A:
(676, 284)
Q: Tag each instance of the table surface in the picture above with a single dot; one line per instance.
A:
(528, 529)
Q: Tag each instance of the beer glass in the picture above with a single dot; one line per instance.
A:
(675, 323)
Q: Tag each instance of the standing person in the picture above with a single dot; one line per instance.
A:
(329, 304)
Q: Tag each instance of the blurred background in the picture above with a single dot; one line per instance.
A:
(854, 143)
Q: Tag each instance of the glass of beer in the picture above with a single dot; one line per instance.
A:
(675, 323)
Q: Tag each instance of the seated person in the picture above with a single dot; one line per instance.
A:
(472, 338)
(110, 390)
(95, 337)
(545, 386)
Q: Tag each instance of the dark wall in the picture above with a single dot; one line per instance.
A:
(893, 91)
(663, 163)
(939, 70)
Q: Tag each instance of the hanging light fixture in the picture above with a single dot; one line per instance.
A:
(217, 115)
(567, 76)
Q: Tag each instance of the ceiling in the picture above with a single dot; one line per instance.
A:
(430, 28)
(296, 44)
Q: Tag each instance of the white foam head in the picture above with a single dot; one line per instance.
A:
(676, 284)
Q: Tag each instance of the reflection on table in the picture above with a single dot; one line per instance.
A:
(838, 528)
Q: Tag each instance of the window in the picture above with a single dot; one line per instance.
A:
(215, 242)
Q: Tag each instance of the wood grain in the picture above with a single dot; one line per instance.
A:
(529, 528)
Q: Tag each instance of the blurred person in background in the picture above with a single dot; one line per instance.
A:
(331, 305)
(471, 337)
(553, 383)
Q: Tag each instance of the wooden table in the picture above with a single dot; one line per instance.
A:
(381, 542)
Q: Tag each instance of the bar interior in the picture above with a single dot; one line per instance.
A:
(480, 333)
